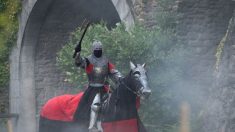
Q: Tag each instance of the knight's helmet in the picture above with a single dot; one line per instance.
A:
(97, 48)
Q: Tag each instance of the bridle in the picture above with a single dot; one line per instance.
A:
(128, 88)
(124, 83)
(134, 92)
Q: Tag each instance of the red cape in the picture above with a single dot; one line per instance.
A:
(61, 108)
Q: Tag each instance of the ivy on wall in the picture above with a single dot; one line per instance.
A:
(219, 50)
(8, 33)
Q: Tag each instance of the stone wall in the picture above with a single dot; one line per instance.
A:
(229, 95)
(221, 111)
(144, 11)
(201, 27)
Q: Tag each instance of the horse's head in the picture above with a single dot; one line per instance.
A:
(139, 83)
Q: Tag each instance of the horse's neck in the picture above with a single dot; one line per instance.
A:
(127, 81)
(122, 104)
(125, 89)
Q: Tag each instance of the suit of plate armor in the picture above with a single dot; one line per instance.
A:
(98, 70)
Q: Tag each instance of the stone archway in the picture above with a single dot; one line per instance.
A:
(44, 28)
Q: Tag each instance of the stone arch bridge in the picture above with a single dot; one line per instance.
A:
(45, 26)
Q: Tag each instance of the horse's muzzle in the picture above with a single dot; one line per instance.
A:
(146, 93)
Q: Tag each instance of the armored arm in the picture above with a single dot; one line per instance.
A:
(114, 74)
(80, 61)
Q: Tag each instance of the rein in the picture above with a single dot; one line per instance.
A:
(117, 96)
(128, 88)
(134, 92)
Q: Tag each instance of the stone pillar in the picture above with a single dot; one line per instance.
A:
(22, 92)
(124, 12)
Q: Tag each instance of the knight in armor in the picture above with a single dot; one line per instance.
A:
(98, 69)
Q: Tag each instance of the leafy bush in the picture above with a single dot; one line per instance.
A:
(2, 5)
(138, 45)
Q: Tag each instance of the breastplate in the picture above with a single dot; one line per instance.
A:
(99, 73)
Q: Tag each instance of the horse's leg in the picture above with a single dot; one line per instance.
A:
(99, 126)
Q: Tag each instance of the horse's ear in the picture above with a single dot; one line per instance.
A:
(132, 65)
(144, 65)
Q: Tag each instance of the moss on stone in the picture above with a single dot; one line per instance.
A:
(219, 50)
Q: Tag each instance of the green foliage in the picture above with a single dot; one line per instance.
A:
(4, 74)
(8, 35)
(9, 27)
(119, 45)
(2, 5)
